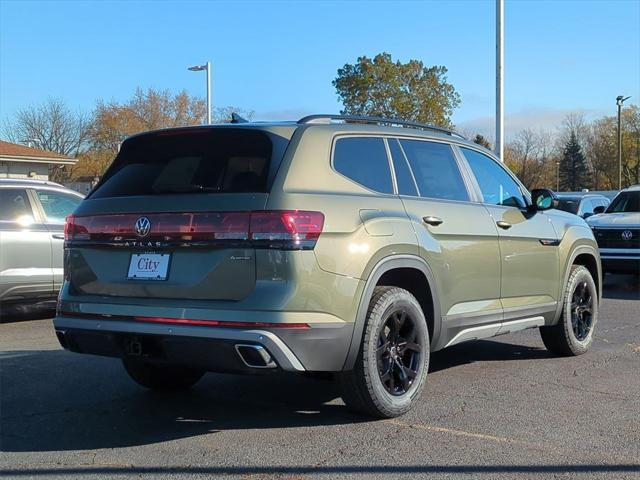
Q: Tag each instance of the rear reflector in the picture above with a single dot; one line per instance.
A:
(184, 321)
(284, 229)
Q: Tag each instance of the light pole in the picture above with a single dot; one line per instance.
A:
(499, 80)
(557, 176)
(199, 68)
(619, 101)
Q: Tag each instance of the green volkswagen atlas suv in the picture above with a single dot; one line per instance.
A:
(350, 245)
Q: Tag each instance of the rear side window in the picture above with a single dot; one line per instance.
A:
(206, 160)
(14, 205)
(435, 170)
(57, 205)
(364, 160)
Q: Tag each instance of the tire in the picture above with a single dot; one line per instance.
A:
(573, 334)
(163, 378)
(369, 388)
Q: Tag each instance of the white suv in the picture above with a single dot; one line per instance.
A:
(32, 214)
(617, 231)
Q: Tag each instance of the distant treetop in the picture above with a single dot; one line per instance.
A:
(407, 91)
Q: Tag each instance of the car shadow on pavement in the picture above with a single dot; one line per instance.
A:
(55, 400)
(17, 312)
(621, 287)
(484, 351)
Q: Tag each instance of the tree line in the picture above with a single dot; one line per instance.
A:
(579, 154)
(94, 138)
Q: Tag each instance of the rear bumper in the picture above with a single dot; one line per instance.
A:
(321, 347)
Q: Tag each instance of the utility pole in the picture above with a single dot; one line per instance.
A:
(619, 101)
(499, 79)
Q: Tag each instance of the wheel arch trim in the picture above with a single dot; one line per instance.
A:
(383, 266)
(575, 252)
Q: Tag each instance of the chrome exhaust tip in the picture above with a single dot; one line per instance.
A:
(255, 356)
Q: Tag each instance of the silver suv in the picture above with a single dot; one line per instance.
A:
(32, 214)
(617, 231)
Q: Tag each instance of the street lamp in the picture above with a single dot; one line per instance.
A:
(557, 176)
(199, 68)
(619, 101)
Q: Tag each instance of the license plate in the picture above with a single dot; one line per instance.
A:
(148, 266)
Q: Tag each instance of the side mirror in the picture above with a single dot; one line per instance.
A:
(599, 209)
(543, 199)
(586, 215)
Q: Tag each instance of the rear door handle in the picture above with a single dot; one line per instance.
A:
(503, 225)
(58, 236)
(431, 220)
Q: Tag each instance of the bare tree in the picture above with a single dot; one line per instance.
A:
(524, 155)
(51, 126)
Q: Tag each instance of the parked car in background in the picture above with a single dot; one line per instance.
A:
(32, 214)
(617, 231)
(581, 204)
(338, 244)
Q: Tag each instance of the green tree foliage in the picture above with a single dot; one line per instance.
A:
(574, 171)
(481, 140)
(407, 91)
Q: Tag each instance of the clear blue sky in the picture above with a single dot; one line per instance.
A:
(279, 58)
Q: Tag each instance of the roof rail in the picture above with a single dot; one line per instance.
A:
(327, 118)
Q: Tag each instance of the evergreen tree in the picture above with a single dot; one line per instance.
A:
(574, 172)
(481, 140)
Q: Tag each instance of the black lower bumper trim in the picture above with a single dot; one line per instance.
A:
(214, 355)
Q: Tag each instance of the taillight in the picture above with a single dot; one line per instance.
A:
(292, 229)
(73, 230)
(280, 229)
(68, 225)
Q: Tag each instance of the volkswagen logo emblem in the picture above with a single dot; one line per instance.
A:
(143, 226)
(627, 235)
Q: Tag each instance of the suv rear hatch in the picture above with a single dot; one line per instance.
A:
(179, 214)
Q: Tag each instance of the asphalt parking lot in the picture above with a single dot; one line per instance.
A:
(503, 408)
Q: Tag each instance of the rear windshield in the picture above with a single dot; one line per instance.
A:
(199, 160)
(569, 204)
(625, 202)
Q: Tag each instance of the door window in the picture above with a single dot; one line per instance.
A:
(364, 160)
(57, 205)
(496, 185)
(15, 206)
(435, 169)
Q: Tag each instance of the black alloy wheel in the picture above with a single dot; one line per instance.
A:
(582, 310)
(399, 356)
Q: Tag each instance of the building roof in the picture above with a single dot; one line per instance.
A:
(21, 153)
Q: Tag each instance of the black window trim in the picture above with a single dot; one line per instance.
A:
(406, 161)
(478, 191)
